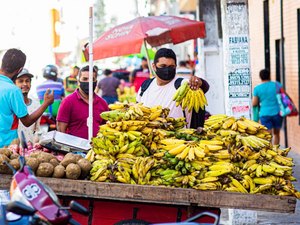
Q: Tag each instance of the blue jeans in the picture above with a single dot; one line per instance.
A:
(271, 121)
(110, 99)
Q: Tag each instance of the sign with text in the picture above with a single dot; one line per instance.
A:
(237, 75)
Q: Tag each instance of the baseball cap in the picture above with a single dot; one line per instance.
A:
(25, 72)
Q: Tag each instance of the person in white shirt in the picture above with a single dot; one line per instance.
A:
(161, 89)
(32, 133)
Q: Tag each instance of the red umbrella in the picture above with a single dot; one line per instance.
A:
(129, 37)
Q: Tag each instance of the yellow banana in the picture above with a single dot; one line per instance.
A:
(191, 154)
(216, 173)
(238, 185)
(208, 179)
(283, 160)
(221, 166)
(268, 168)
(251, 183)
(184, 153)
(261, 188)
(210, 147)
(262, 180)
(178, 149)
(211, 142)
(248, 164)
(228, 122)
(199, 153)
(285, 168)
(259, 171)
(206, 186)
(170, 141)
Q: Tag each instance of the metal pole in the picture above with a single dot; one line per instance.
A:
(283, 69)
(148, 59)
(90, 118)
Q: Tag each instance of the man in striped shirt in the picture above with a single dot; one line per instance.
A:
(50, 73)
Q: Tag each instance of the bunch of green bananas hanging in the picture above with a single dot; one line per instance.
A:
(189, 98)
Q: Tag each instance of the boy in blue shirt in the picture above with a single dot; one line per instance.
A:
(12, 102)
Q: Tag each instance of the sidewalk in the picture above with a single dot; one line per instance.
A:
(269, 218)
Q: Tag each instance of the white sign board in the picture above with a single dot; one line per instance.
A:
(237, 75)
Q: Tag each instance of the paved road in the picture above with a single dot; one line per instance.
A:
(269, 218)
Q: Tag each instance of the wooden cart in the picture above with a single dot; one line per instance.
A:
(111, 202)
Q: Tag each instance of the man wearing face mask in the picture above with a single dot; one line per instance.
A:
(161, 89)
(74, 109)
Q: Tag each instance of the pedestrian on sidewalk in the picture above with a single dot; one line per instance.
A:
(264, 96)
(109, 86)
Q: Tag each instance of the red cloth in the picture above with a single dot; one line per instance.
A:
(74, 111)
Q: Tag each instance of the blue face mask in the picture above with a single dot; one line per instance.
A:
(166, 73)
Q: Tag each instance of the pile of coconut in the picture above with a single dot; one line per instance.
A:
(43, 164)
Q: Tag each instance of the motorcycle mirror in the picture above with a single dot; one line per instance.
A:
(22, 162)
(78, 208)
(20, 208)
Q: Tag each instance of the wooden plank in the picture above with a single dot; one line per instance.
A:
(165, 195)
(258, 202)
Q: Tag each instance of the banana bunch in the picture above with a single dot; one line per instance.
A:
(230, 126)
(100, 169)
(252, 141)
(141, 169)
(133, 111)
(188, 134)
(181, 149)
(128, 95)
(189, 98)
(230, 154)
(168, 176)
(186, 181)
(129, 125)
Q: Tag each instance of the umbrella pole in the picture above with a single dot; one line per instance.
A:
(90, 118)
(148, 59)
